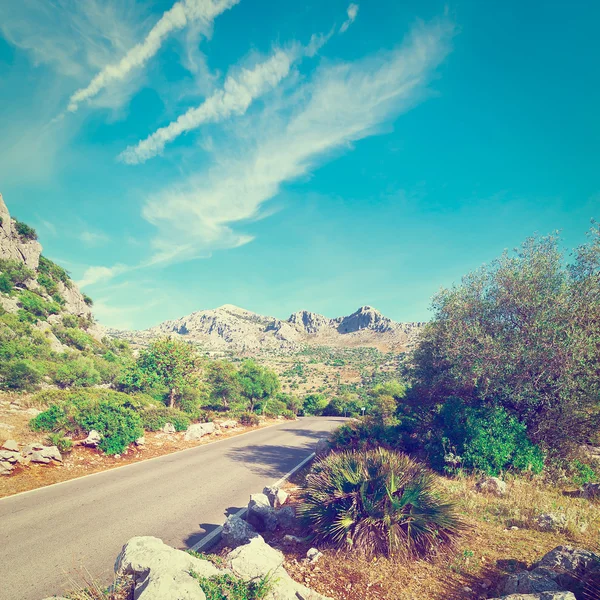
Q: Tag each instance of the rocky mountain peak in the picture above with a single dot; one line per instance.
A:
(15, 245)
(366, 317)
(309, 322)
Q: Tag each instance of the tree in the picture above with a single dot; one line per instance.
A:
(315, 404)
(224, 383)
(257, 383)
(522, 333)
(166, 362)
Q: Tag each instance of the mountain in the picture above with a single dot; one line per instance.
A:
(232, 328)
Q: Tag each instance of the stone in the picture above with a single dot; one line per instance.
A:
(289, 540)
(313, 555)
(277, 497)
(257, 559)
(492, 485)
(550, 522)
(261, 514)
(590, 490)
(322, 447)
(141, 441)
(160, 572)
(237, 532)
(10, 445)
(51, 452)
(9, 456)
(555, 595)
(5, 468)
(38, 457)
(198, 431)
(228, 424)
(567, 559)
(93, 439)
(169, 428)
(286, 517)
(527, 582)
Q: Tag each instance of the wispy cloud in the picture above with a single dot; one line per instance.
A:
(352, 13)
(176, 18)
(92, 238)
(95, 275)
(238, 93)
(342, 104)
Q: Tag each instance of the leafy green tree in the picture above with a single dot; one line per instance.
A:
(222, 378)
(168, 363)
(522, 333)
(315, 404)
(257, 383)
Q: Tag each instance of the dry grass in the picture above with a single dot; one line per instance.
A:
(501, 537)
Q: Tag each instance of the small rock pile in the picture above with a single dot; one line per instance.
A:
(559, 575)
(11, 454)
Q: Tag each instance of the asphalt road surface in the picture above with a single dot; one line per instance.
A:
(49, 537)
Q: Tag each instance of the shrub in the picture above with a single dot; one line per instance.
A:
(88, 300)
(364, 434)
(487, 439)
(155, 418)
(26, 233)
(15, 272)
(52, 419)
(54, 272)
(228, 586)
(35, 305)
(5, 284)
(315, 404)
(47, 283)
(64, 444)
(19, 375)
(377, 502)
(249, 419)
(582, 473)
(75, 338)
(79, 372)
(70, 321)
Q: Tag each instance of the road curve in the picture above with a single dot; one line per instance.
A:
(50, 535)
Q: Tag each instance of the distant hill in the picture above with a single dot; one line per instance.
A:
(232, 328)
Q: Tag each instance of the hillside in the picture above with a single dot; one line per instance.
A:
(235, 329)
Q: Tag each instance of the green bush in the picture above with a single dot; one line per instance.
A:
(35, 305)
(315, 404)
(54, 272)
(155, 418)
(364, 434)
(112, 414)
(249, 419)
(88, 300)
(75, 338)
(582, 473)
(78, 372)
(26, 233)
(48, 284)
(6, 285)
(64, 444)
(229, 587)
(15, 273)
(377, 502)
(19, 375)
(486, 439)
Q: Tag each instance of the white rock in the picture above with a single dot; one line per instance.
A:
(37, 457)
(10, 445)
(141, 441)
(5, 468)
(492, 485)
(169, 428)
(550, 522)
(277, 497)
(161, 572)
(198, 431)
(93, 439)
(236, 532)
(229, 424)
(313, 555)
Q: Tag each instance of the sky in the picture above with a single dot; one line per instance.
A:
(321, 155)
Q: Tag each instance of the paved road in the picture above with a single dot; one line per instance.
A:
(49, 535)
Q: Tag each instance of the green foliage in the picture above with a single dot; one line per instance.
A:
(156, 417)
(112, 414)
(36, 306)
(377, 502)
(522, 333)
(23, 375)
(70, 321)
(365, 434)
(484, 439)
(582, 473)
(229, 587)
(55, 273)
(64, 444)
(74, 337)
(14, 272)
(168, 364)
(315, 404)
(5, 284)
(26, 233)
(223, 382)
(88, 300)
(257, 382)
(249, 419)
(46, 282)
(77, 372)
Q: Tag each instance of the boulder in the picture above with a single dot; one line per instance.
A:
(527, 582)
(540, 596)
(9, 456)
(322, 447)
(277, 497)
(10, 445)
(38, 457)
(169, 428)
(198, 431)
(160, 572)
(228, 424)
(566, 559)
(237, 532)
(51, 452)
(257, 559)
(590, 490)
(313, 555)
(141, 441)
(261, 514)
(492, 485)
(286, 517)
(5, 468)
(550, 522)
(93, 439)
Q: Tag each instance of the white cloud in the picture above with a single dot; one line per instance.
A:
(176, 18)
(92, 238)
(95, 275)
(352, 13)
(341, 105)
(238, 93)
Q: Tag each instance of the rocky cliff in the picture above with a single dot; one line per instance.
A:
(232, 328)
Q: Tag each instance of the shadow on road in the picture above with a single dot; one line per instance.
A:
(270, 461)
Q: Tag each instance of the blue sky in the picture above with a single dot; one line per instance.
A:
(278, 156)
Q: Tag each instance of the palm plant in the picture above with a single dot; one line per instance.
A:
(378, 502)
